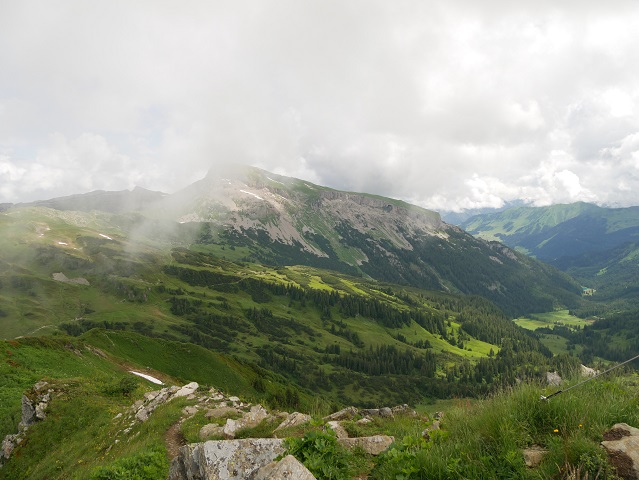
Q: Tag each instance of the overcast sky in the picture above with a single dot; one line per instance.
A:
(449, 105)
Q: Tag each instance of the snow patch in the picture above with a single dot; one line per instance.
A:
(62, 243)
(274, 181)
(148, 377)
(249, 193)
(105, 236)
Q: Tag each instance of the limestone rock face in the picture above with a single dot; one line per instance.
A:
(622, 445)
(289, 468)
(225, 459)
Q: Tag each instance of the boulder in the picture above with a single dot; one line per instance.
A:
(621, 443)
(255, 415)
(289, 468)
(186, 390)
(230, 428)
(28, 412)
(372, 445)
(293, 420)
(587, 371)
(553, 378)
(404, 410)
(211, 430)
(534, 455)
(340, 431)
(225, 459)
(433, 426)
(220, 412)
(385, 412)
(347, 413)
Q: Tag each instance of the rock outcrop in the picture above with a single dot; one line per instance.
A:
(621, 443)
(34, 406)
(289, 468)
(225, 459)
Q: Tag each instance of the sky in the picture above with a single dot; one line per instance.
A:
(449, 105)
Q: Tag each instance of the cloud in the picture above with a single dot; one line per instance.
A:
(454, 105)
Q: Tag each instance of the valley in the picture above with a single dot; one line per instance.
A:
(282, 292)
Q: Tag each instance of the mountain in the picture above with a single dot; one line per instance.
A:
(458, 218)
(290, 294)
(597, 245)
(279, 220)
(551, 233)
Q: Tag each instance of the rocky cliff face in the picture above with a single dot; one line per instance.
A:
(287, 210)
(287, 221)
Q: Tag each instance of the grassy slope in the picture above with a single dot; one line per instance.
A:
(481, 439)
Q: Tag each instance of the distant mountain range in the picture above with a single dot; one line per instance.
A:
(597, 245)
(278, 220)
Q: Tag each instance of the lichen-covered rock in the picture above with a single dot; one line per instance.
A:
(225, 459)
(373, 445)
(220, 412)
(211, 430)
(622, 445)
(347, 413)
(534, 455)
(340, 431)
(553, 378)
(289, 468)
(187, 390)
(293, 420)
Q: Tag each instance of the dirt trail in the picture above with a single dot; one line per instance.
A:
(173, 439)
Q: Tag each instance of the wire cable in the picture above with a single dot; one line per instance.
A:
(587, 380)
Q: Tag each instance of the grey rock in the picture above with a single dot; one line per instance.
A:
(293, 420)
(373, 445)
(339, 430)
(230, 428)
(186, 390)
(151, 395)
(220, 412)
(142, 415)
(225, 459)
(621, 443)
(404, 410)
(211, 430)
(289, 468)
(534, 455)
(385, 412)
(28, 412)
(40, 410)
(553, 378)
(347, 413)
(364, 421)
(256, 414)
(8, 444)
(190, 410)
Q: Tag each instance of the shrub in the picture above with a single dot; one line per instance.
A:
(149, 465)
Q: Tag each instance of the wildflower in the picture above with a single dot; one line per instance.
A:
(556, 431)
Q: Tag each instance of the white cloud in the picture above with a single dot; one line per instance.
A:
(452, 105)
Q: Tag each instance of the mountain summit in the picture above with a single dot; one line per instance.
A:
(280, 220)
